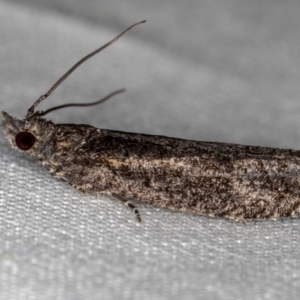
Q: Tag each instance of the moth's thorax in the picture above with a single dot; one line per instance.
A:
(71, 136)
(41, 131)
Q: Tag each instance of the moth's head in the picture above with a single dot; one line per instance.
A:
(25, 135)
(32, 134)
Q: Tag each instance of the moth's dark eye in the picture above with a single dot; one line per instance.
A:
(25, 140)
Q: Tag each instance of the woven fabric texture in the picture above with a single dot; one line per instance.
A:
(220, 70)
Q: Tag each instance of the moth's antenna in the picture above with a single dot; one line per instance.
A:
(30, 111)
(43, 113)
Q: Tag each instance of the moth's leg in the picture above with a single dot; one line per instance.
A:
(130, 205)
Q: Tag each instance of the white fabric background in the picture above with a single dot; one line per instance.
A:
(220, 70)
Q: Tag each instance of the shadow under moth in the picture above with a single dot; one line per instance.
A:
(213, 179)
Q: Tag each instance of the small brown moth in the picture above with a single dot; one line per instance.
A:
(213, 179)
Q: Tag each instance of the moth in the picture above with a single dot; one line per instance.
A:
(212, 179)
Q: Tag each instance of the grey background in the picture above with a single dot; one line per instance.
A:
(219, 70)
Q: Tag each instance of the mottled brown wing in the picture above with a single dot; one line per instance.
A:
(215, 179)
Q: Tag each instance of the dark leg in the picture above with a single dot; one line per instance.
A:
(130, 205)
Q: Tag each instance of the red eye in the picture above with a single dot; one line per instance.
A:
(25, 140)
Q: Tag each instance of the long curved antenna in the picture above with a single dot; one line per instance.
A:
(43, 113)
(30, 111)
